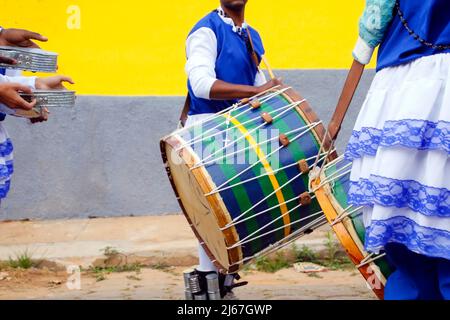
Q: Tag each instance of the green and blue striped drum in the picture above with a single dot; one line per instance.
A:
(331, 190)
(241, 176)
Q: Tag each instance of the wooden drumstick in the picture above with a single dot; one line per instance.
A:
(269, 69)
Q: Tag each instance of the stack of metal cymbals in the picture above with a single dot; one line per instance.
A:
(30, 59)
(36, 60)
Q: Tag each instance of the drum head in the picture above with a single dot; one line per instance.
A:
(206, 215)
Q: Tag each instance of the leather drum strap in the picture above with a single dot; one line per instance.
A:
(185, 110)
(350, 86)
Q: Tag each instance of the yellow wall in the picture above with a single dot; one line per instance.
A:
(136, 47)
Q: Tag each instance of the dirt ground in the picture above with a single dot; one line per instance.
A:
(149, 284)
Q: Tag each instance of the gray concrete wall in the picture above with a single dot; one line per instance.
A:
(102, 158)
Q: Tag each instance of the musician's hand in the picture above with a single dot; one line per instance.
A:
(270, 84)
(42, 118)
(20, 38)
(7, 60)
(55, 82)
(9, 95)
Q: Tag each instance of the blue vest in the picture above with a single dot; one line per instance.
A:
(430, 19)
(234, 63)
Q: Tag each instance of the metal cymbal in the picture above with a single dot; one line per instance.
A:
(30, 59)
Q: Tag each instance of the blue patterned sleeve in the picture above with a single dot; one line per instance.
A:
(373, 24)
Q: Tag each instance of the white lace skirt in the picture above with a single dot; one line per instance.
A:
(400, 150)
(6, 162)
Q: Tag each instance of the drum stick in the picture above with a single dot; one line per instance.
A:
(269, 69)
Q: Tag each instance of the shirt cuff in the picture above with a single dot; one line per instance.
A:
(362, 51)
(26, 81)
(30, 82)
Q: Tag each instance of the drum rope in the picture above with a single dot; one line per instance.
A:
(333, 176)
(200, 138)
(286, 241)
(287, 109)
(201, 162)
(345, 214)
(266, 210)
(296, 198)
(250, 147)
(220, 113)
(262, 200)
(265, 157)
(258, 177)
(290, 106)
(236, 219)
(248, 238)
(369, 259)
(326, 181)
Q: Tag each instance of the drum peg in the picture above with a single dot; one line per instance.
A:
(244, 101)
(305, 199)
(255, 104)
(303, 166)
(284, 140)
(266, 117)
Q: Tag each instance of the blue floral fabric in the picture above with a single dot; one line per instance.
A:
(375, 21)
(428, 241)
(6, 148)
(389, 192)
(7, 168)
(411, 133)
(427, 201)
(4, 189)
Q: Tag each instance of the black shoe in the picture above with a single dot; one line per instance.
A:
(227, 284)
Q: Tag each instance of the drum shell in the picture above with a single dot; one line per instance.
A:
(228, 204)
(350, 230)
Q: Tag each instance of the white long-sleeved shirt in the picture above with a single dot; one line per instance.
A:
(201, 52)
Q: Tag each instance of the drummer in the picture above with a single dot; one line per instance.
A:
(10, 86)
(221, 69)
(400, 145)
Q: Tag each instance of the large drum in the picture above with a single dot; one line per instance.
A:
(241, 176)
(331, 190)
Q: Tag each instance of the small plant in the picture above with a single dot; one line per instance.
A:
(332, 260)
(304, 254)
(22, 261)
(331, 246)
(134, 277)
(160, 266)
(110, 251)
(272, 265)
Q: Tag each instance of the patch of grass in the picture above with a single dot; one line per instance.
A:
(134, 277)
(109, 251)
(100, 277)
(160, 266)
(4, 265)
(331, 246)
(304, 254)
(332, 259)
(22, 260)
(272, 265)
(135, 267)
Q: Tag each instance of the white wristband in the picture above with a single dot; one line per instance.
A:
(362, 51)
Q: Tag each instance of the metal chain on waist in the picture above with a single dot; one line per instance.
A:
(415, 35)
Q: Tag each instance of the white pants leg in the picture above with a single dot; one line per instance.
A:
(205, 264)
